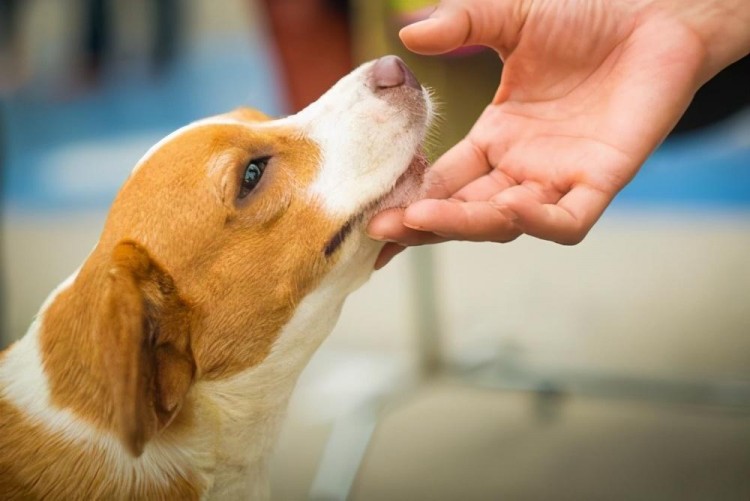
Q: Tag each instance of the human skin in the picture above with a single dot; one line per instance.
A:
(589, 89)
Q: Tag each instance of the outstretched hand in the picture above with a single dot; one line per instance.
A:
(589, 89)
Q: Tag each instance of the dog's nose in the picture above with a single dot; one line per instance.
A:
(391, 71)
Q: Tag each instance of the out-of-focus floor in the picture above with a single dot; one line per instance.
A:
(652, 297)
(450, 441)
(479, 445)
(659, 291)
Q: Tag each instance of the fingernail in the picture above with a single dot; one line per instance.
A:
(424, 13)
(380, 238)
(413, 226)
(420, 16)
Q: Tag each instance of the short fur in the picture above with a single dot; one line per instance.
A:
(162, 368)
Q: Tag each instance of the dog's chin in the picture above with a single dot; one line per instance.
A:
(409, 187)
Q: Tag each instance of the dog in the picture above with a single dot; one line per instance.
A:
(162, 368)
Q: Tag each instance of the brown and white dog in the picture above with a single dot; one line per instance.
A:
(162, 368)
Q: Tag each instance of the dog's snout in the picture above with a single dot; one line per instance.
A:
(390, 71)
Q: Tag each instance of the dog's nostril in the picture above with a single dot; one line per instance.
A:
(391, 71)
(388, 72)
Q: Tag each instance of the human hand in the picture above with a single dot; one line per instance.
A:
(589, 89)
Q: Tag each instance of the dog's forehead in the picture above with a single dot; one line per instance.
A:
(201, 130)
(195, 173)
(243, 119)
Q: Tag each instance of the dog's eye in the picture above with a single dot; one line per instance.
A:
(252, 175)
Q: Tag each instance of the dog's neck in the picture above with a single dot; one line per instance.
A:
(228, 427)
(250, 406)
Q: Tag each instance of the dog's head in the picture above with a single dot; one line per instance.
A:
(226, 225)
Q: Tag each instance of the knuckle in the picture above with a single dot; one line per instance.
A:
(507, 237)
(574, 237)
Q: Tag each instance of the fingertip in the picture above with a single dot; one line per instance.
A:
(384, 225)
(419, 214)
(388, 227)
(415, 35)
(428, 35)
(388, 252)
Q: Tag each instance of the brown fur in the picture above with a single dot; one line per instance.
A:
(122, 346)
(144, 333)
(46, 477)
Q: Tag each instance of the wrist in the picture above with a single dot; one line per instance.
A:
(721, 26)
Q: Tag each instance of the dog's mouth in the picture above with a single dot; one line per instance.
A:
(409, 188)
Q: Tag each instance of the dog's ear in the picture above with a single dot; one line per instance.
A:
(249, 115)
(146, 345)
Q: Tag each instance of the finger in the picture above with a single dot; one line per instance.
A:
(389, 251)
(456, 220)
(456, 24)
(444, 31)
(457, 167)
(485, 187)
(566, 222)
(388, 226)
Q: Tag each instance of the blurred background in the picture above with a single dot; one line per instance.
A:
(615, 369)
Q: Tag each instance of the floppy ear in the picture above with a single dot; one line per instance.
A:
(146, 345)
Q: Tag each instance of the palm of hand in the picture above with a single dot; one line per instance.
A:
(589, 89)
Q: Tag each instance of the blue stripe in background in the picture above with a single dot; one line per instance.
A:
(110, 129)
(710, 167)
(74, 155)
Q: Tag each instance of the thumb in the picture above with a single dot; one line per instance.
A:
(456, 24)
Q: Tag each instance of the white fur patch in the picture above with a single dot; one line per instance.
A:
(366, 142)
(22, 379)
